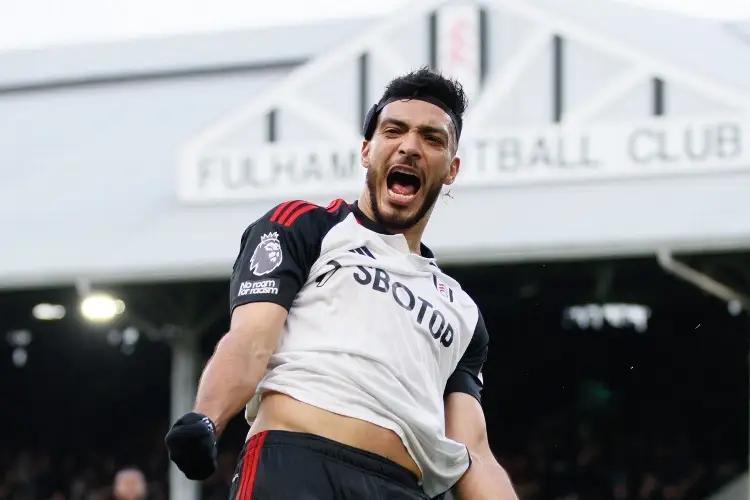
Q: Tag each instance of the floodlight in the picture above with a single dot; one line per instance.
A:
(48, 312)
(101, 308)
(20, 357)
(734, 307)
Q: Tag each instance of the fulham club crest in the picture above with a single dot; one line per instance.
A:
(267, 255)
(444, 289)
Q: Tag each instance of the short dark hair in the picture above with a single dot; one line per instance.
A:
(431, 84)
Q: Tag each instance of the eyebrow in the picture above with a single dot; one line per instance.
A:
(428, 129)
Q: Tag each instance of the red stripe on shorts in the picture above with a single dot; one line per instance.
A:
(250, 465)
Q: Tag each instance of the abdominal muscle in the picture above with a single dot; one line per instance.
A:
(281, 412)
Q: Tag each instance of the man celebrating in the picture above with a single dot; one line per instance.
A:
(360, 359)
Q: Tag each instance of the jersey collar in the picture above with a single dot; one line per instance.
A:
(378, 228)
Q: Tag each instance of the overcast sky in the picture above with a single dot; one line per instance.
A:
(37, 23)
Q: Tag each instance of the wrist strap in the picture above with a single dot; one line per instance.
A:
(209, 423)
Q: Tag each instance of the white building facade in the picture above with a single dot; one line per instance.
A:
(594, 129)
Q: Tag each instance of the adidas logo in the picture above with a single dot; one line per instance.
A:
(363, 251)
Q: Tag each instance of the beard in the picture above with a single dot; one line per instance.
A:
(396, 221)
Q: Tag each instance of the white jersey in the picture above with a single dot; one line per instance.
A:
(374, 331)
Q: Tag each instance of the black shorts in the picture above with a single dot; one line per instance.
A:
(281, 465)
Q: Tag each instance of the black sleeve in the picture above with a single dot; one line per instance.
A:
(276, 254)
(467, 377)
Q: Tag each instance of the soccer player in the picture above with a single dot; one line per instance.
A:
(360, 358)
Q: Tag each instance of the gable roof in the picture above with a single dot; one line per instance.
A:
(700, 46)
(174, 54)
(697, 54)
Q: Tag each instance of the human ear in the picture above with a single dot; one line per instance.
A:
(453, 171)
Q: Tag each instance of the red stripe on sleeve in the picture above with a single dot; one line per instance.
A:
(335, 205)
(287, 213)
(296, 215)
(290, 210)
(278, 211)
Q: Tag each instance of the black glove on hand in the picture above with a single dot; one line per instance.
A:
(191, 443)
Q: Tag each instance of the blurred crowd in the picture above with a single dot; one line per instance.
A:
(585, 461)
(564, 459)
(41, 475)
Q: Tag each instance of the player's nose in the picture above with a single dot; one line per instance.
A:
(411, 146)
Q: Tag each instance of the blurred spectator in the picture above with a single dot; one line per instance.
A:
(598, 460)
(130, 484)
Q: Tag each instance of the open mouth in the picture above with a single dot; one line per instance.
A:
(403, 185)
